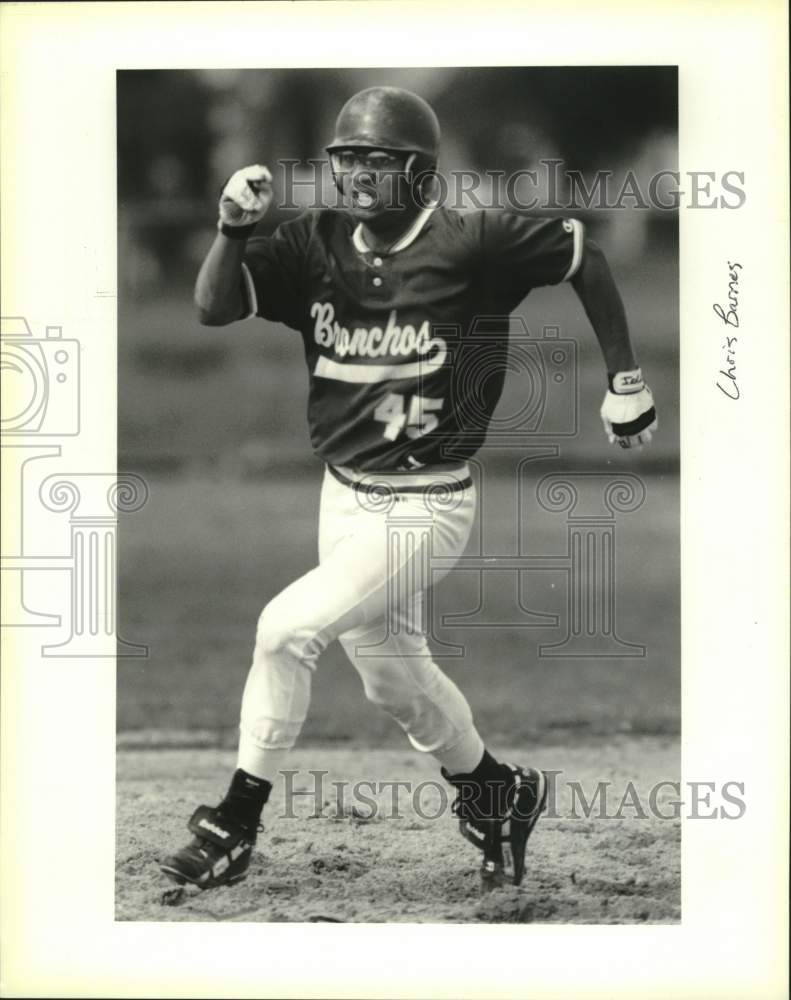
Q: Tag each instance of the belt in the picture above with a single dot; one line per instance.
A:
(373, 485)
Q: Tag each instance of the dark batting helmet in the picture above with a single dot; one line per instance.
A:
(388, 118)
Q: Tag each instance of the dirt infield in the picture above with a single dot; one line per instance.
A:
(350, 853)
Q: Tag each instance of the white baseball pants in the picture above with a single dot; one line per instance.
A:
(374, 568)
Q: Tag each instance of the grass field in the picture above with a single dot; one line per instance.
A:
(200, 561)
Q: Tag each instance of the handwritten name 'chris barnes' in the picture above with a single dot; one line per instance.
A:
(730, 317)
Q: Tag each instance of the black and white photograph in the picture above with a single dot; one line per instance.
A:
(409, 567)
(395, 499)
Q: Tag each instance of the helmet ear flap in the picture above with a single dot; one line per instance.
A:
(422, 172)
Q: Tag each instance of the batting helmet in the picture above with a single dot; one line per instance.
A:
(388, 118)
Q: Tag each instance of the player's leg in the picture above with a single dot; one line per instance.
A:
(400, 676)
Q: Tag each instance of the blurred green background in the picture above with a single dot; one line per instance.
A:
(215, 418)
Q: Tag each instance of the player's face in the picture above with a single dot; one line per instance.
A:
(375, 181)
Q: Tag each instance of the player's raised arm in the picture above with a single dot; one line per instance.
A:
(628, 410)
(244, 202)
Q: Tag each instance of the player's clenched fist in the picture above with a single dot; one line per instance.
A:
(246, 197)
(628, 410)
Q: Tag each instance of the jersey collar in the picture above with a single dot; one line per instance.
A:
(406, 240)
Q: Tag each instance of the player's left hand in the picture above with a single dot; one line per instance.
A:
(628, 412)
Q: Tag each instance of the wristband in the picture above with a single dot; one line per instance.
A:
(235, 232)
(625, 383)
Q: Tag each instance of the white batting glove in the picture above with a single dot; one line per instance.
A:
(628, 412)
(246, 197)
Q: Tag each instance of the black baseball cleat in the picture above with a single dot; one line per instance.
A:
(503, 841)
(218, 855)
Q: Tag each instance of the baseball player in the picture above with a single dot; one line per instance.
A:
(383, 292)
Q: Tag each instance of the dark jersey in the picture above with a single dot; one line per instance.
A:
(392, 340)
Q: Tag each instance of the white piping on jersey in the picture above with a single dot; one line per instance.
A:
(406, 240)
(363, 374)
(578, 231)
(252, 298)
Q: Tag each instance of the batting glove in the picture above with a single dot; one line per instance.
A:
(245, 200)
(628, 412)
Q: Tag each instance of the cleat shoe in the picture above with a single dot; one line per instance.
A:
(504, 841)
(218, 855)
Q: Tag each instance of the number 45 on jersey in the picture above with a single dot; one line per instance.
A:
(416, 419)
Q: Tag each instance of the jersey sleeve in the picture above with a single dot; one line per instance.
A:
(520, 252)
(272, 272)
